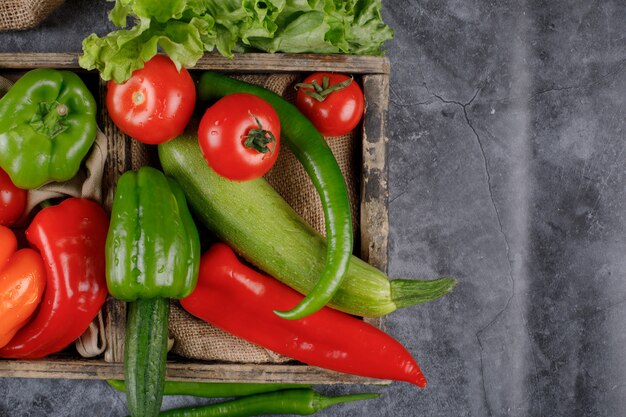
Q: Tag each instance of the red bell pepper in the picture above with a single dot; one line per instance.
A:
(22, 280)
(241, 301)
(70, 238)
(12, 200)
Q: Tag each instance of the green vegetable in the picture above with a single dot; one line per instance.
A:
(185, 29)
(145, 355)
(253, 219)
(153, 247)
(152, 254)
(214, 389)
(47, 126)
(302, 402)
(309, 146)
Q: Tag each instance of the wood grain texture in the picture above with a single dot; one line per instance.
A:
(181, 371)
(374, 219)
(374, 193)
(241, 63)
(118, 152)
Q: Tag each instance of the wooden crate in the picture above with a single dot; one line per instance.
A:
(373, 222)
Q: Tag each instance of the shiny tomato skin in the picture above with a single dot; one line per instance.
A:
(340, 112)
(155, 104)
(12, 200)
(222, 133)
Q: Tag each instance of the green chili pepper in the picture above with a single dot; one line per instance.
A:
(214, 389)
(302, 402)
(152, 254)
(309, 146)
(47, 126)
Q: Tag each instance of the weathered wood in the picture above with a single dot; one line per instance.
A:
(118, 151)
(181, 371)
(355, 64)
(374, 191)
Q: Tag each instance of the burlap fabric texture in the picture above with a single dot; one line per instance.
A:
(25, 14)
(199, 340)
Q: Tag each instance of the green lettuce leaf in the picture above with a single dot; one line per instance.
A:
(121, 52)
(306, 33)
(185, 29)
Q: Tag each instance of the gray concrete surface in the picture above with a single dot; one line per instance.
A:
(507, 171)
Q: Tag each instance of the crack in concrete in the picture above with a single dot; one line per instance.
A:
(508, 251)
(410, 104)
(391, 200)
(405, 190)
(608, 307)
(480, 331)
(608, 76)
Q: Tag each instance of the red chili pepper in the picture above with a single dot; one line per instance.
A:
(241, 301)
(70, 238)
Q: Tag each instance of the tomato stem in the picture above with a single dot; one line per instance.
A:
(62, 110)
(320, 92)
(259, 138)
(138, 97)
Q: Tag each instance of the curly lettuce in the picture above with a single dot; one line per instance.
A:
(186, 29)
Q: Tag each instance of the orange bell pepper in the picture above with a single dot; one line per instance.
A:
(22, 281)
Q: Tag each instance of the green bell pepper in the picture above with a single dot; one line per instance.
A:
(152, 254)
(153, 248)
(47, 126)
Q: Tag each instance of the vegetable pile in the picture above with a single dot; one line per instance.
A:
(299, 293)
(70, 238)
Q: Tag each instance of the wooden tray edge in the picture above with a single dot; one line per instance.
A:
(243, 63)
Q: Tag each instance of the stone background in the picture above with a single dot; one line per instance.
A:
(507, 171)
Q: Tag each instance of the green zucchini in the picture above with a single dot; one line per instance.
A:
(145, 355)
(258, 224)
(310, 148)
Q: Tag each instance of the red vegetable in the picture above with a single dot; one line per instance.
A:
(155, 104)
(22, 280)
(240, 300)
(333, 102)
(70, 238)
(12, 200)
(240, 136)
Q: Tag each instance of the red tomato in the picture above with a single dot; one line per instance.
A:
(339, 112)
(12, 200)
(226, 132)
(155, 104)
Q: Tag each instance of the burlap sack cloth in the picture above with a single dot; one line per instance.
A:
(199, 340)
(25, 14)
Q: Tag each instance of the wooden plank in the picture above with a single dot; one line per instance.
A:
(374, 191)
(118, 153)
(355, 64)
(181, 371)
(252, 62)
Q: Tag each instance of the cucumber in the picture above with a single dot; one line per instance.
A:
(258, 224)
(145, 355)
